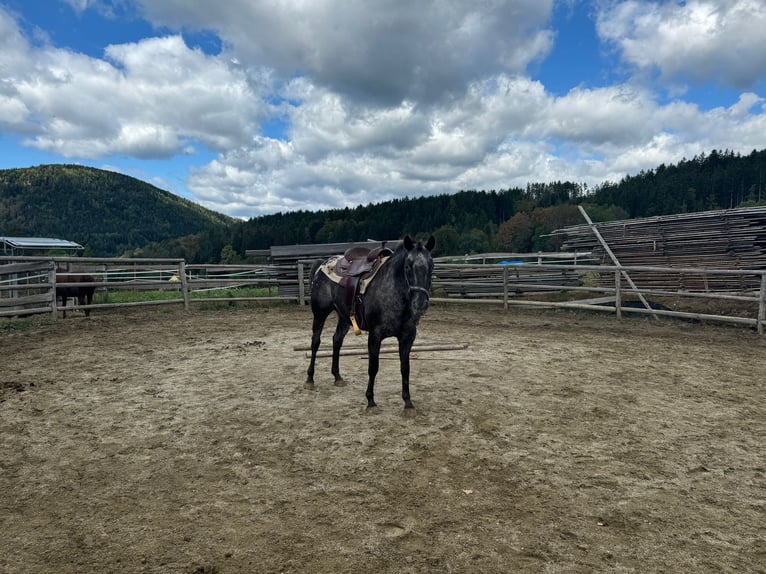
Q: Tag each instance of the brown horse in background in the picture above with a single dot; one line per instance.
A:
(68, 286)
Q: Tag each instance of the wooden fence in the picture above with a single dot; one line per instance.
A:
(584, 287)
(27, 286)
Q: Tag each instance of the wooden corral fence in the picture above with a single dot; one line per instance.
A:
(587, 287)
(27, 286)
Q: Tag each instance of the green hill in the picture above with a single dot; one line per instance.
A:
(109, 213)
(113, 214)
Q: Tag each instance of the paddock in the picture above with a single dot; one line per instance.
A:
(163, 441)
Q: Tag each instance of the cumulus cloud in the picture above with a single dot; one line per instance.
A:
(700, 40)
(405, 99)
(145, 100)
(385, 53)
(587, 136)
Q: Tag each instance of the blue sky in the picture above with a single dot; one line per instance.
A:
(250, 108)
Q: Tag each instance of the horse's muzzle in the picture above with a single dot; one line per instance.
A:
(420, 296)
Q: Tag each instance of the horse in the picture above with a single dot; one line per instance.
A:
(68, 286)
(395, 299)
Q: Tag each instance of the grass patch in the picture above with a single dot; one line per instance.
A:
(17, 324)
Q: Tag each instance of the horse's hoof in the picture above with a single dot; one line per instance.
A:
(339, 383)
(373, 410)
(310, 386)
(409, 412)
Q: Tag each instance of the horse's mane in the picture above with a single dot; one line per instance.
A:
(399, 249)
(400, 253)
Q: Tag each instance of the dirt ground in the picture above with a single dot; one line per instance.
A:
(153, 440)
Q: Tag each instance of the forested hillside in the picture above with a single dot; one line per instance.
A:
(114, 214)
(719, 180)
(518, 219)
(109, 213)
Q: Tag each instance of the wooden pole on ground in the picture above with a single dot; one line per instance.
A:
(385, 350)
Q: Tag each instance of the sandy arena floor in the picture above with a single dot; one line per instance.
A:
(150, 440)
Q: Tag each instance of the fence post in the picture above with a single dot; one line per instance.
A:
(301, 286)
(52, 281)
(184, 284)
(505, 287)
(618, 294)
(762, 305)
(105, 278)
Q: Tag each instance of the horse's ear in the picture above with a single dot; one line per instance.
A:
(431, 243)
(408, 243)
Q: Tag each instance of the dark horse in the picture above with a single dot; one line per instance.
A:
(393, 303)
(69, 286)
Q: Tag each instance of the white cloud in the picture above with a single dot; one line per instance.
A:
(503, 133)
(385, 102)
(701, 40)
(145, 100)
(393, 51)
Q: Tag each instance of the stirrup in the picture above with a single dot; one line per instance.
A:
(357, 330)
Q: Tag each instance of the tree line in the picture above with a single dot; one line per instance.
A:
(113, 214)
(514, 219)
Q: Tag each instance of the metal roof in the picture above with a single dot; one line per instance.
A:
(21, 243)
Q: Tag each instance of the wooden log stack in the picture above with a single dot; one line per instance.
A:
(721, 239)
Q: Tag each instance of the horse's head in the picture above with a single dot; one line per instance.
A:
(418, 269)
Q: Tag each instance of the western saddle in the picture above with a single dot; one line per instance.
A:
(359, 263)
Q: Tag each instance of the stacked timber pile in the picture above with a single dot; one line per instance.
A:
(722, 239)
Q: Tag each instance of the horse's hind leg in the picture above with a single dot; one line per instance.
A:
(337, 343)
(320, 316)
(373, 352)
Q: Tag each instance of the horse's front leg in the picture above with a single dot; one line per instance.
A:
(405, 346)
(337, 343)
(373, 351)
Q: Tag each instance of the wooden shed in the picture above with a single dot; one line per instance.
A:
(32, 245)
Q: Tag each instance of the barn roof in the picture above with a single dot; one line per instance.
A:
(16, 244)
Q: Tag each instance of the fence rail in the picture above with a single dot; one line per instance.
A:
(27, 286)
